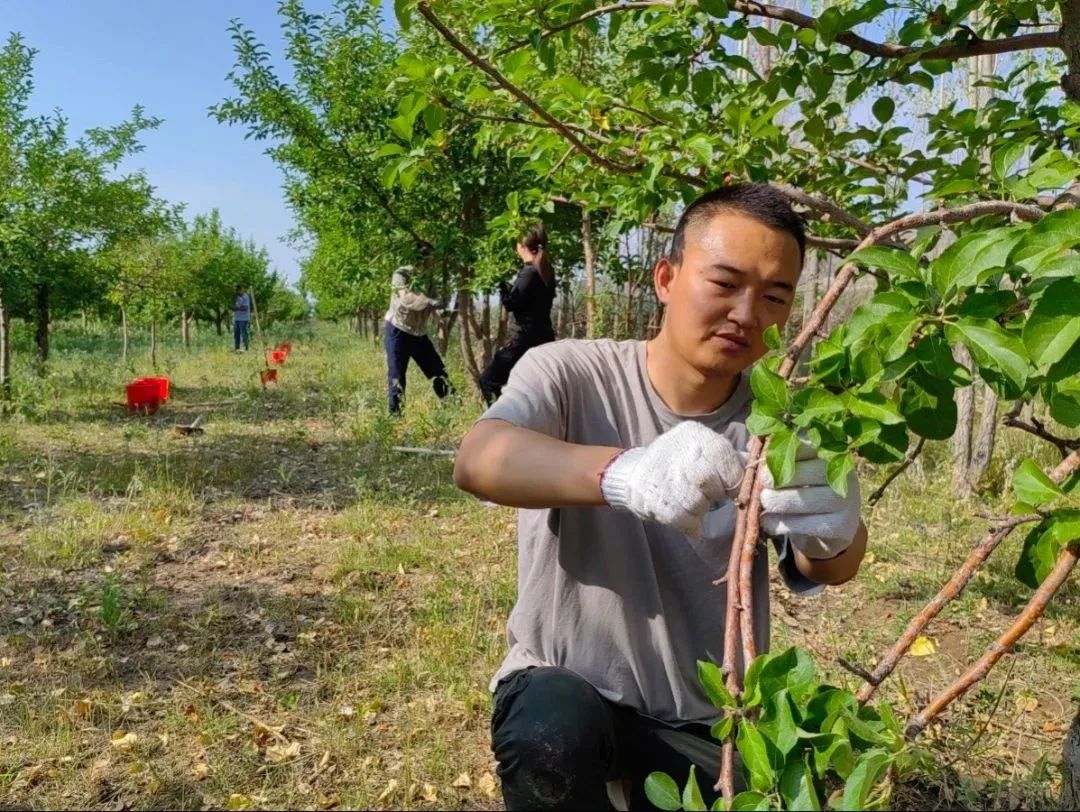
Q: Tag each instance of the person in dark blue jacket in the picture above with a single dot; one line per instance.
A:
(529, 302)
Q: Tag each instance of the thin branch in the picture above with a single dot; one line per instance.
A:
(974, 47)
(909, 458)
(1000, 647)
(1035, 427)
(955, 586)
(826, 210)
(486, 67)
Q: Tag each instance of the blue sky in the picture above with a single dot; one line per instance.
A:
(98, 58)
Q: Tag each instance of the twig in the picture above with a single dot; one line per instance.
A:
(857, 670)
(1035, 427)
(909, 458)
(954, 587)
(974, 47)
(439, 452)
(1027, 618)
(520, 95)
(233, 709)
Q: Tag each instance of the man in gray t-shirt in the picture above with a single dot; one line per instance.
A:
(624, 458)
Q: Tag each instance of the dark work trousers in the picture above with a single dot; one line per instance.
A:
(558, 743)
(497, 372)
(240, 333)
(400, 348)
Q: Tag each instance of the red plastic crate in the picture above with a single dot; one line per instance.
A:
(278, 356)
(286, 345)
(143, 395)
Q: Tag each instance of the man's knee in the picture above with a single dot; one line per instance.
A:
(553, 736)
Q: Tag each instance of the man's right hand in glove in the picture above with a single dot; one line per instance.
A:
(675, 479)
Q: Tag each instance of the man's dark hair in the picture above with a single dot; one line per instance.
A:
(757, 200)
(424, 250)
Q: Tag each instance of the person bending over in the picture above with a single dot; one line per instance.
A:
(406, 339)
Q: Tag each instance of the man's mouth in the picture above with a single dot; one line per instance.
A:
(734, 340)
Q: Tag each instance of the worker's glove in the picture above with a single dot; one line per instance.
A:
(676, 479)
(816, 519)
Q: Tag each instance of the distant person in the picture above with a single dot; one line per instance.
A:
(406, 339)
(241, 319)
(529, 302)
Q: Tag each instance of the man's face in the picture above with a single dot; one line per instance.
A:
(737, 277)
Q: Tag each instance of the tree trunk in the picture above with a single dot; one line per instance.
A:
(1070, 44)
(124, 334)
(185, 329)
(42, 305)
(961, 440)
(1070, 767)
(983, 449)
(464, 304)
(590, 274)
(5, 352)
(219, 319)
(85, 323)
(485, 329)
(153, 344)
(628, 324)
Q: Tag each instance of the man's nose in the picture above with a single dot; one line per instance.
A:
(744, 312)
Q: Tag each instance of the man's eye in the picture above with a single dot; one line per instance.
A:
(725, 285)
(777, 300)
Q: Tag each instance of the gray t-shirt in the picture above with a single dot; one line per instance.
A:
(628, 605)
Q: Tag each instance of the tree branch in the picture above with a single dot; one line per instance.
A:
(1036, 427)
(486, 67)
(955, 586)
(974, 47)
(1000, 647)
(909, 458)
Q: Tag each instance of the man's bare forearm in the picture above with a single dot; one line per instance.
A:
(512, 466)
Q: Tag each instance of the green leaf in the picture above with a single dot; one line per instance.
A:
(749, 801)
(929, 408)
(718, 805)
(883, 109)
(1032, 486)
(388, 150)
(935, 356)
(662, 791)
(1055, 232)
(714, 8)
(712, 680)
(837, 472)
(969, 259)
(1053, 326)
(1064, 402)
(752, 680)
(863, 779)
(893, 260)
(1004, 158)
(815, 404)
(889, 445)
(702, 148)
(778, 723)
(770, 390)
(992, 348)
(874, 406)
(401, 127)
(434, 116)
(780, 457)
(691, 797)
(761, 425)
(722, 729)
(797, 786)
(773, 339)
(755, 756)
(401, 12)
(1043, 545)
(900, 329)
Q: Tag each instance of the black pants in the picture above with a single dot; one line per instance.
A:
(497, 372)
(558, 743)
(400, 348)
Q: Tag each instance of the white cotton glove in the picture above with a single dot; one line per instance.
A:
(676, 479)
(816, 519)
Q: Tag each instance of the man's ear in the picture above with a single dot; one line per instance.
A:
(664, 274)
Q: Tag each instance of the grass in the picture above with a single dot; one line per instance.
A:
(285, 612)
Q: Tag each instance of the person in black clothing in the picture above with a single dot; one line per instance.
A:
(529, 302)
